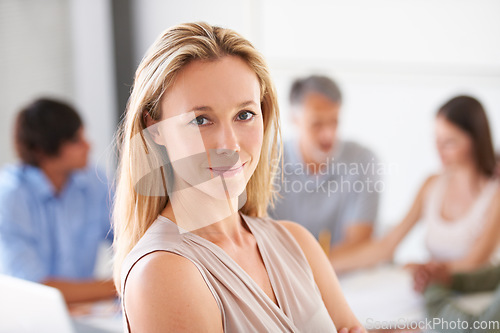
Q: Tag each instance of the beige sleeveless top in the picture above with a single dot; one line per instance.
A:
(243, 305)
(453, 240)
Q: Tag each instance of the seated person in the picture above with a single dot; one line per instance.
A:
(460, 206)
(440, 288)
(329, 184)
(54, 212)
(195, 251)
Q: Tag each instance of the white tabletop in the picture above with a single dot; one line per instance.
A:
(382, 294)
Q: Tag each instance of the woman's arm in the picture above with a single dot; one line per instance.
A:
(485, 279)
(440, 301)
(324, 276)
(380, 250)
(486, 243)
(166, 293)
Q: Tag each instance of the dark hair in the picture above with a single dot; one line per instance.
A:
(314, 83)
(42, 127)
(468, 114)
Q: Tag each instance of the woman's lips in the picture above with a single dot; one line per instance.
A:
(228, 171)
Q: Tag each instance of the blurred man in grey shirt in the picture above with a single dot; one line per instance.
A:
(330, 186)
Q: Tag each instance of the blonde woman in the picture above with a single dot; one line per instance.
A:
(194, 249)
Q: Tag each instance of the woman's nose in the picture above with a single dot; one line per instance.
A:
(227, 140)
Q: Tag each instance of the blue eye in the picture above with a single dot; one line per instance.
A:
(246, 115)
(199, 121)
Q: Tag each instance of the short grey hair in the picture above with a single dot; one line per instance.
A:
(314, 84)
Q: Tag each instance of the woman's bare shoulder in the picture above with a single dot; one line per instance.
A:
(303, 237)
(293, 227)
(496, 182)
(430, 180)
(426, 185)
(494, 207)
(166, 292)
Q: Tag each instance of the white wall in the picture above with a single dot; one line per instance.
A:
(61, 49)
(151, 17)
(93, 75)
(35, 59)
(396, 61)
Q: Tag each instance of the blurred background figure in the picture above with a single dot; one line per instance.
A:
(54, 211)
(441, 297)
(497, 169)
(460, 206)
(328, 184)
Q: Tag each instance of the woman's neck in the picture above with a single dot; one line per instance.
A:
(467, 176)
(198, 212)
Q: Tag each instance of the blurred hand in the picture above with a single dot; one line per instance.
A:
(432, 272)
(355, 329)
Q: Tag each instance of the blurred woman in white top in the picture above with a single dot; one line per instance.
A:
(461, 205)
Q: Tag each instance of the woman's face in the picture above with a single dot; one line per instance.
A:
(212, 126)
(453, 144)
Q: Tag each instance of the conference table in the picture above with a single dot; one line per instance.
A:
(383, 299)
(102, 317)
(379, 297)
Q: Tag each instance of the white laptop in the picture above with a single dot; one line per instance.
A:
(32, 307)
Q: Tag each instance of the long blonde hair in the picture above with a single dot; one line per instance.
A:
(134, 211)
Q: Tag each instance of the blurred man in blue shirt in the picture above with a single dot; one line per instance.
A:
(54, 211)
